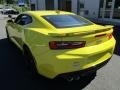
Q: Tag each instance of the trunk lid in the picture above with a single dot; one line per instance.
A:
(92, 34)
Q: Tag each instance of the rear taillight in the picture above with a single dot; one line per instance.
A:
(100, 35)
(110, 36)
(66, 44)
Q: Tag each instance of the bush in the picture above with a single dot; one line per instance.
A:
(21, 9)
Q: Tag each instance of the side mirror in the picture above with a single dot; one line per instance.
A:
(10, 21)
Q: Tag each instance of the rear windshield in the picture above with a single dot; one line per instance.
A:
(64, 21)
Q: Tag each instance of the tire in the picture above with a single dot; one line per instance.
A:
(30, 62)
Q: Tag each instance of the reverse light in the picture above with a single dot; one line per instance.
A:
(66, 44)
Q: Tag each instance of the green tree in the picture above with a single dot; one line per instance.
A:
(2, 1)
(9, 1)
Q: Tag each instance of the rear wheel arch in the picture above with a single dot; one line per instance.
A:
(30, 59)
(7, 33)
(26, 49)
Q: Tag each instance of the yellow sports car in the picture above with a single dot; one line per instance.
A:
(61, 44)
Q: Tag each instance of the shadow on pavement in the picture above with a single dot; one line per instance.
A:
(14, 76)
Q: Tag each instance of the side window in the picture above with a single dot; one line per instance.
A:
(23, 20)
(18, 19)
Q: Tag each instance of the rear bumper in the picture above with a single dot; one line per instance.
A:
(85, 72)
(57, 62)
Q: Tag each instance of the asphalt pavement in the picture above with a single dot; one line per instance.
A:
(14, 76)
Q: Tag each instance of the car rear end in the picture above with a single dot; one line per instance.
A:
(76, 47)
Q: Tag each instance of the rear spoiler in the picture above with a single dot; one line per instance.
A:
(105, 28)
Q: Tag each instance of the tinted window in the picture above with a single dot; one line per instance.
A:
(23, 19)
(63, 21)
(18, 19)
(26, 19)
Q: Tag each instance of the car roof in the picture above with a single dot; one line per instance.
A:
(47, 12)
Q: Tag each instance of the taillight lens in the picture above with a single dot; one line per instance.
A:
(100, 35)
(110, 36)
(66, 44)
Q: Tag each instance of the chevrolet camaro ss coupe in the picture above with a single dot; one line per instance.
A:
(61, 44)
